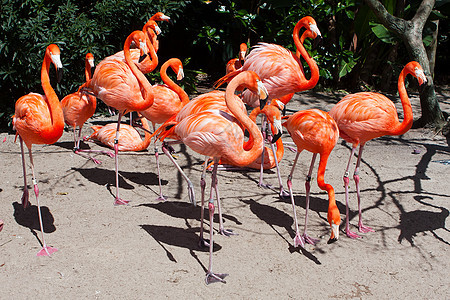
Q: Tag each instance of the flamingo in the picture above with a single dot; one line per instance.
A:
(236, 63)
(39, 119)
(364, 116)
(151, 32)
(130, 138)
(78, 108)
(315, 131)
(123, 86)
(216, 134)
(279, 69)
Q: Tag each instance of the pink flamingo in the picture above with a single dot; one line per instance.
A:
(217, 135)
(365, 116)
(236, 63)
(78, 108)
(123, 86)
(279, 69)
(39, 119)
(315, 131)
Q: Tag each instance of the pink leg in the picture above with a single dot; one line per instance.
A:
(161, 197)
(298, 239)
(46, 250)
(191, 192)
(362, 228)
(25, 195)
(210, 276)
(202, 242)
(349, 233)
(263, 131)
(305, 236)
(79, 151)
(283, 193)
(118, 201)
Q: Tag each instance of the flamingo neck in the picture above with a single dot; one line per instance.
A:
(146, 87)
(151, 45)
(87, 70)
(307, 84)
(56, 114)
(172, 85)
(321, 181)
(406, 124)
(245, 157)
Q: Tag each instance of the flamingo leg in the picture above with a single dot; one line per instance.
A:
(362, 228)
(222, 230)
(210, 276)
(298, 239)
(188, 181)
(264, 134)
(25, 195)
(161, 197)
(349, 233)
(46, 250)
(79, 151)
(118, 201)
(305, 236)
(283, 193)
(202, 242)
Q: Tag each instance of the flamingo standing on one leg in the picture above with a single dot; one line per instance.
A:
(39, 119)
(365, 116)
(279, 69)
(78, 108)
(315, 131)
(217, 135)
(169, 98)
(236, 63)
(123, 86)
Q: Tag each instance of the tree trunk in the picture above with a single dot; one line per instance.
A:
(411, 34)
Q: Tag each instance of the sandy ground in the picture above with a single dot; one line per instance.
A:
(149, 250)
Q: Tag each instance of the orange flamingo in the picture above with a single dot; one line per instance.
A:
(169, 98)
(78, 108)
(216, 135)
(236, 63)
(130, 138)
(153, 33)
(365, 116)
(123, 86)
(315, 131)
(39, 119)
(279, 69)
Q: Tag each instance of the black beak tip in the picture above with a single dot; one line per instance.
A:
(142, 57)
(262, 103)
(276, 137)
(331, 241)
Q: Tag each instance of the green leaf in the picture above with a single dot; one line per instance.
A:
(382, 33)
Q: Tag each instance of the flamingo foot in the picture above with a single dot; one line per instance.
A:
(203, 243)
(161, 198)
(46, 251)
(120, 201)
(309, 239)
(215, 277)
(299, 241)
(364, 229)
(351, 234)
(265, 185)
(25, 197)
(96, 161)
(227, 232)
(283, 193)
(110, 154)
(1, 225)
(292, 149)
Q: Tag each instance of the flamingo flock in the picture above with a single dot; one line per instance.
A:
(214, 124)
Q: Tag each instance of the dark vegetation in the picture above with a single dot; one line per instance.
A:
(357, 53)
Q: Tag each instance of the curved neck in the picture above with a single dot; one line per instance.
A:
(321, 181)
(54, 106)
(172, 85)
(406, 124)
(152, 61)
(308, 84)
(87, 70)
(245, 157)
(146, 87)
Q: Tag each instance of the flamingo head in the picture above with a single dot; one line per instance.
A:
(334, 218)
(138, 38)
(151, 25)
(159, 16)
(242, 52)
(90, 59)
(177, 67)
(55, 55)
(274, 116)
(415, 69)
(262, 92)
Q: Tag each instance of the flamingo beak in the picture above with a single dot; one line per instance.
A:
(56, 59)
(263, 94)
(420, 76)
(180, 74)
(142, 57)
(334, 233)
(91, 62)
(143, 48)
(277, 125)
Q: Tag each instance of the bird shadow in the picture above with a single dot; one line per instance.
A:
(414, 222)
(186, 211)
(275, 217)
(70, 145)
(29, 218)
